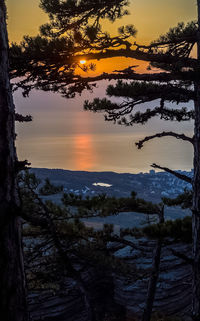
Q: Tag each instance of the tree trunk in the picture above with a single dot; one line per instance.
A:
(151, 292)
(196, 193)
(12, 279)
(196, 211)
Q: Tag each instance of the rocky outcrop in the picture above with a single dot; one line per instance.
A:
(117, 295)
(173, 293)
(68, 305)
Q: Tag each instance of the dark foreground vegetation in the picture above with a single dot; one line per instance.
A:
(65, 258)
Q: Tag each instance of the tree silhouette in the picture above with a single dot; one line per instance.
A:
(67, 248)
(12, 278)
(49, 62)
(40, 61)
(176, 81)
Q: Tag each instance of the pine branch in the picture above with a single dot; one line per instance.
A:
(118, 112)
(21, 165)
(123, 241)
(182, 256)
(163, 134)
(165, 114)
(21, 118)
(183, 200)
(150, 91)
(106, 206)
(139, 55)
(69, 15)
(63, 252)
(178, 175)
(127, 75)
(177, 41)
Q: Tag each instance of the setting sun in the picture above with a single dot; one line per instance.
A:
(82, 62)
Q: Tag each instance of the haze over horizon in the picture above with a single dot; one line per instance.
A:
(62, 135)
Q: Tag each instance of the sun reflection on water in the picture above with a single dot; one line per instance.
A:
(85, 156)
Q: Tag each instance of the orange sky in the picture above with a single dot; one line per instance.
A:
(151, 18)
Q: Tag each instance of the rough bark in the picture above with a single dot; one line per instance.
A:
(196, 211)
(12, 279)
(196, 193)
(151, 292)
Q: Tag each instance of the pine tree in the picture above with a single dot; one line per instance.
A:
(49, 189)
(178, 82)
(45, 52)
(12, 278)
(63, 243)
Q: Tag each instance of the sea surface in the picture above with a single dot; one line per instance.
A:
(63, 135)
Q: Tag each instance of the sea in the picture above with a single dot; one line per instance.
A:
(64, 135)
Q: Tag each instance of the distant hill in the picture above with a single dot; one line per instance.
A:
(150, 186)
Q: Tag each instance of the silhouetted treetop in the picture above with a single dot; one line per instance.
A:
(70, 14)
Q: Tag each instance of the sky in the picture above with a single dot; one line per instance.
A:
(150, 17)
(62, 135)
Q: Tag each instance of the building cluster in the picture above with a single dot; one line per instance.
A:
(151, 186)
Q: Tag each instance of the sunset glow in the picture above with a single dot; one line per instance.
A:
(82, 62)
(146, 22)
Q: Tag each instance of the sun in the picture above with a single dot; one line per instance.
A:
(82, 62)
